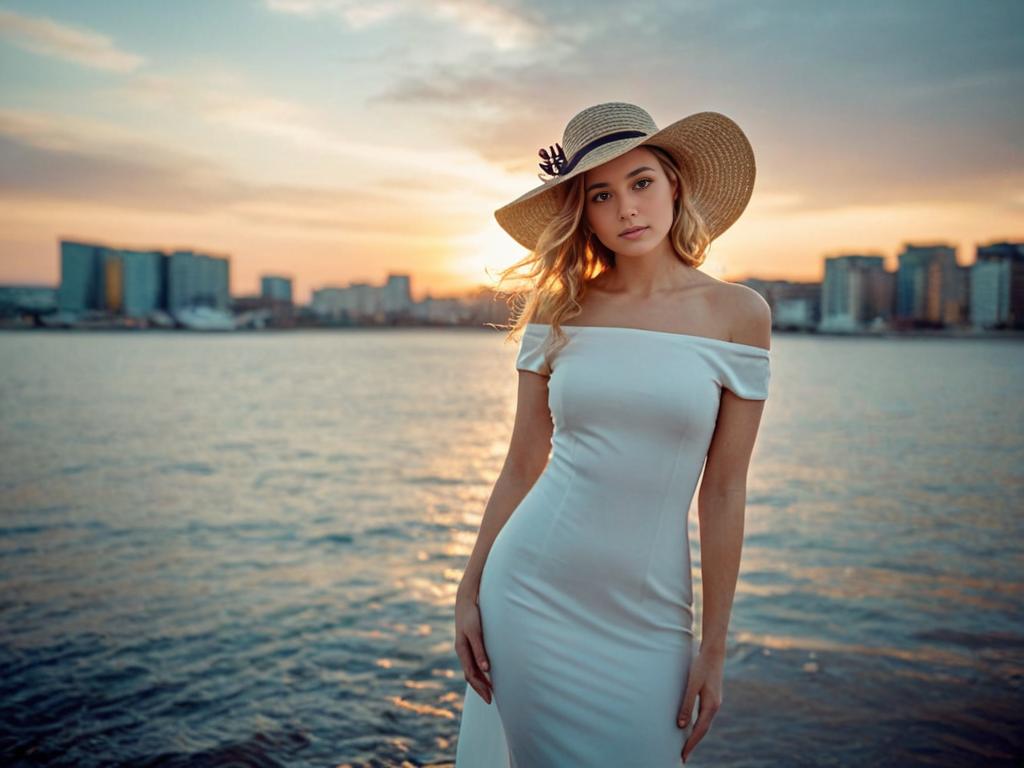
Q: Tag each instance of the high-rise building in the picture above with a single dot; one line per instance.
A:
(856, 292)
(355, 301)
(142, 273)
(364, 299)
(930, 289)
(276, 288)
(112, 282)
(997, 286)
(990, 293)
(330, 303)
(79, 278)
(795, 304)
(136, 283)
(397, 295)
(196, 279)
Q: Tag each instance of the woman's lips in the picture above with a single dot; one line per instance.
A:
(635, 233)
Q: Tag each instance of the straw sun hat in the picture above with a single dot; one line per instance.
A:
(715, 156)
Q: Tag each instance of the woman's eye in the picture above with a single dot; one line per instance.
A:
(597, 198)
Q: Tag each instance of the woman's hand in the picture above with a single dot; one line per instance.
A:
(469, 644)
(705, 679)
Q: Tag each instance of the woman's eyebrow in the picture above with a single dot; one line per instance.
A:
(641, 169)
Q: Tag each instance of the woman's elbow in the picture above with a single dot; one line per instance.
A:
(527, 464)
(723, 485)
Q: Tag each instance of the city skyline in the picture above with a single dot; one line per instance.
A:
(339, 143)
(103, 286)
(889, 262)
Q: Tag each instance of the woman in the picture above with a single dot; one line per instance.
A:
(635, 368)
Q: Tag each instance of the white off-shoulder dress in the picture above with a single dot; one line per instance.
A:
(586, 598)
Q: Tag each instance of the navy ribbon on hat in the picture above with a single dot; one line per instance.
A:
(556, 164)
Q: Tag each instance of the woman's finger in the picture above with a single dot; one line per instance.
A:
(705, 715)
(476, 642)
(470, 670)
(685, 714)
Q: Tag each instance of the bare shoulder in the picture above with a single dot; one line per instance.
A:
(751, 315)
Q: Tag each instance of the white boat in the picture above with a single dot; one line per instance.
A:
(205, 319)
(160, 319)
(59, 320)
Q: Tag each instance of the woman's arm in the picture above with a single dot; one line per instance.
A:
(527, 456)
(722, 500)
(721, 509)
(721, 512)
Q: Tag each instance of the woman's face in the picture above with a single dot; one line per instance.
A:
(625, 193)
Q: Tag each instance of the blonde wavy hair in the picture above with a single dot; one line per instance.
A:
(568, 254)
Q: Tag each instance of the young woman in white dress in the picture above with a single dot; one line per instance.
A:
(638, 373)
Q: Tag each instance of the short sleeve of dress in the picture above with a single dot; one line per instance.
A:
(531, 354)
(746, 371)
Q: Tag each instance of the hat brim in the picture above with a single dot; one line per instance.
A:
(715, 155)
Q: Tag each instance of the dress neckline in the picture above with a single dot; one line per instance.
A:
(684, 336)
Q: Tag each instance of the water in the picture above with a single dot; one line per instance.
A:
(244, 549)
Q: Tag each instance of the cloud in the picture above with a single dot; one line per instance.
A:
(223, 99)
(504, 26)
(903, 103)
(60, 158)
(67, 158)
(81, 46)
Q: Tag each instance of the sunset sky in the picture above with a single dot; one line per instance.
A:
(338, 141)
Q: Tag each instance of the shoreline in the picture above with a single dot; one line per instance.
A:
(920, 333)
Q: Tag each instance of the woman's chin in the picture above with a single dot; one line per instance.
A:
(639, 248)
